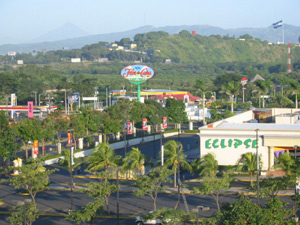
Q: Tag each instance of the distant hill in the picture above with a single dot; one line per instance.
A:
(66, 31)
(272, 35)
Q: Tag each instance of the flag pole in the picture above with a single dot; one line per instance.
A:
(283, 33)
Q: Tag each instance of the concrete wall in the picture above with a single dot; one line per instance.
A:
(116, 145)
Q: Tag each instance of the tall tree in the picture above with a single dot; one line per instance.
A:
(29, 130)
(176, 110)
(248, 162)
(173, 154)
(135, 160)
(202, 89)
(286, 163)
(214, 186)
(263, 88)
(151, 183)
(102, 157)
(231, 89)
(7, 141)
(34, 178)
(295, 90)
(208, 165)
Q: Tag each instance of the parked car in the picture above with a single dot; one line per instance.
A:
(141, 221)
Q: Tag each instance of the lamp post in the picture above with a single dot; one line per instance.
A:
(118, 196)
(71, 172)
(178, 174)
(35, 98)
(257, 167)
(295, 153)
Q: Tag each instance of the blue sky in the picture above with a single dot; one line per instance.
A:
(24, 20)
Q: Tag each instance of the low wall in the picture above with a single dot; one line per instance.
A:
(117, 145)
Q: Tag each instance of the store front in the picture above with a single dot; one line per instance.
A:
(229, 140)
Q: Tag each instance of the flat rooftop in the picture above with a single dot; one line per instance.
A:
(260, 126)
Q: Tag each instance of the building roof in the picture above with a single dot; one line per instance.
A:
(260, 126)
(164, 93)
(257, 77)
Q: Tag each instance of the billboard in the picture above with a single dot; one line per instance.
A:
(165, 123)
(137, 73)
(70, 137)
(74, 98)
(145, 126)
(36, 147)
(30, 109)
(129, 128)
(244, 81)
(11, 53)
(13, 99)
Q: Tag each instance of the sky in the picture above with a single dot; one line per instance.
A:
(25, 20)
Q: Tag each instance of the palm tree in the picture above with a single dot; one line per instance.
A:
(172, 152)
(231, 89)
(263, 88)
(295, 90)
(248, 162)
(134, 160)
(202, 88)
(102, 158)
(286, 163)
(208, 165)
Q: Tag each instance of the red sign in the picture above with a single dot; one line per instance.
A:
(70, 137)
(30, 109)
(36, 147)
(137, 73)
(244, 81)
(129, 128)
(165, 123)
(145, 127)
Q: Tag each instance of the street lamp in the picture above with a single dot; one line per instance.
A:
(178, 178)
(257, 167)
(202, 208)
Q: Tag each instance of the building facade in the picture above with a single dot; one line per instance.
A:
(249, 132)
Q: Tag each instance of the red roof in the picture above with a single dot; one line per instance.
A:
(178, 97)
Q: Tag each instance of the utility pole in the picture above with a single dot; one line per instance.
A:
(257, 167)
(35, 98)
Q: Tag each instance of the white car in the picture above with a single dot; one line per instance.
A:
(140, 221)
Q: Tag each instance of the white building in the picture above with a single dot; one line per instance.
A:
(268, 131)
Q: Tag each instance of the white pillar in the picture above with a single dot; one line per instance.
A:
(149, 129)
(271, 157)
(118, 136)
(190, 125)
(134, 131)
(100, 138)
(179, 127)
(80, 143)
(162, 155)
(59, 148)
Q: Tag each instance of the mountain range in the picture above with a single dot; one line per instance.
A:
(71, 37)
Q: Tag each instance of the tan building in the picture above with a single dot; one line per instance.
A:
(268, 131)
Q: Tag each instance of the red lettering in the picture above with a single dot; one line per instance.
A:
(129, 72)
(145, 72)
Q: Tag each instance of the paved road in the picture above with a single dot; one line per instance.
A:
(58, 201)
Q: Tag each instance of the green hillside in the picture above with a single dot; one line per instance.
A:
(188, 48)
